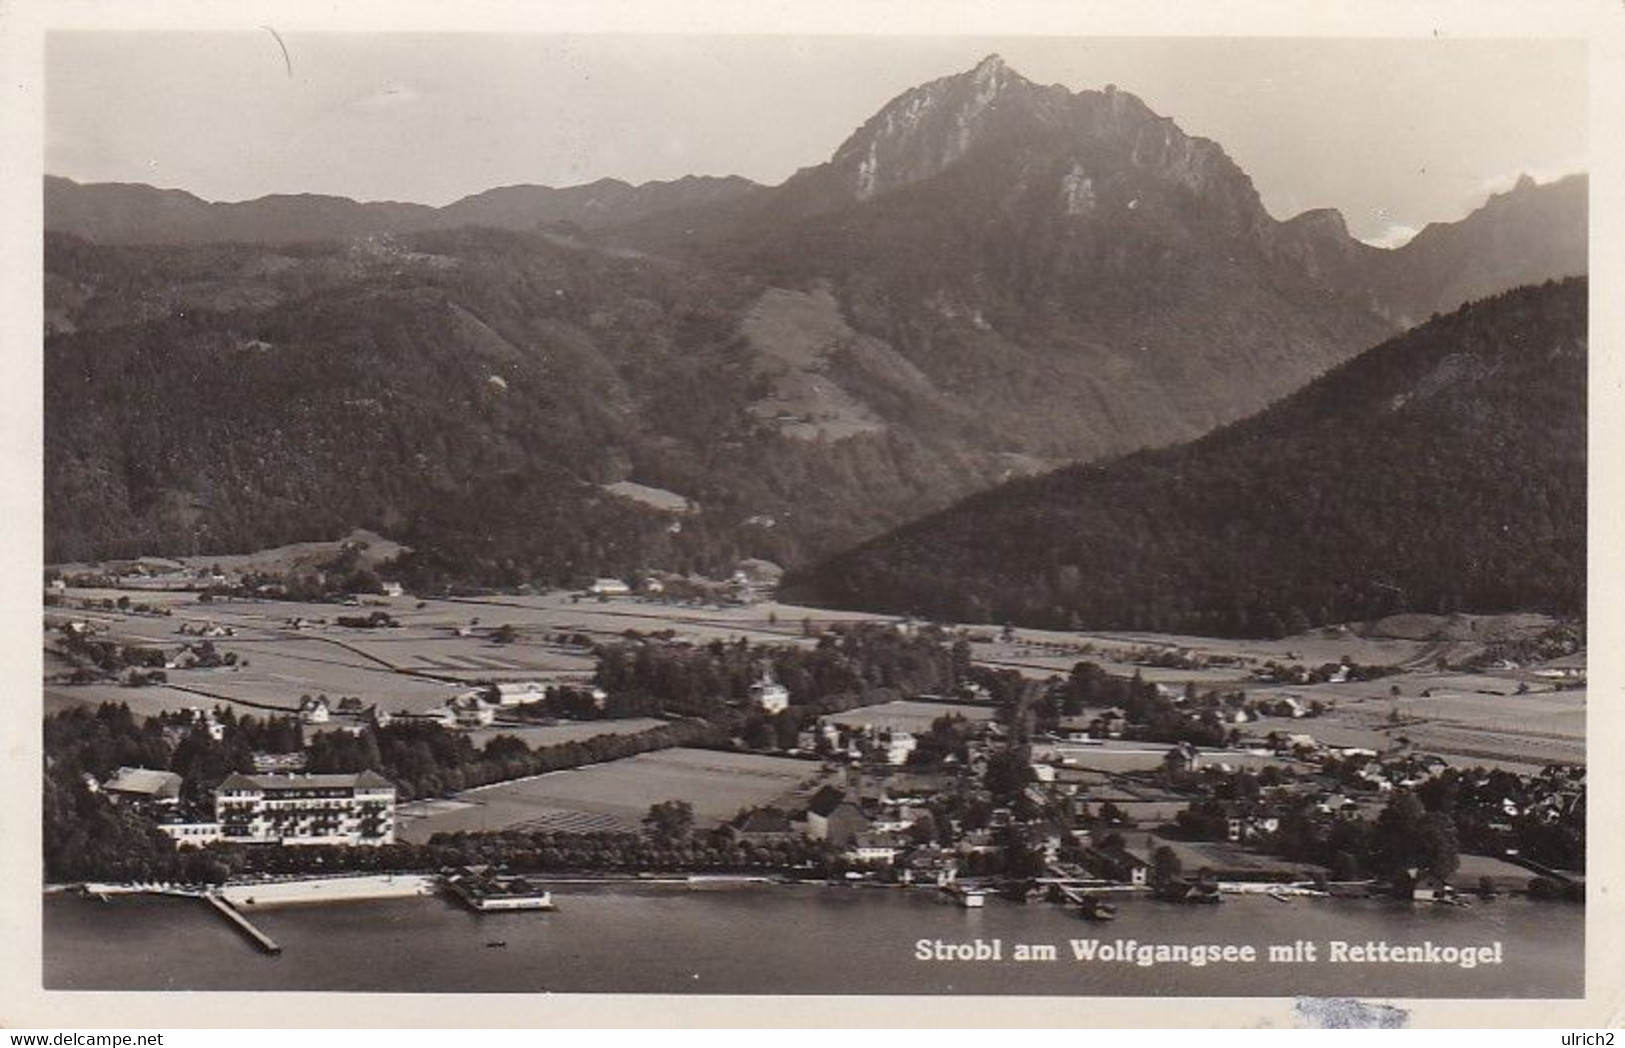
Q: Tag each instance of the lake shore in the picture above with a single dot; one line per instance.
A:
(656, 937)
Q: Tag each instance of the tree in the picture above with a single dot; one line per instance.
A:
(1409, 837)
(1345, 867)
(363, 580)
(1007, 773)
(669, 821)
(1399, 831)
(1165, 866)
(759, 733)
(787, 729)
(924, 830)
(1440, 850)
(961, 655)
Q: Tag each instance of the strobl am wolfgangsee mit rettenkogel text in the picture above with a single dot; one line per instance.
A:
(1200, 955)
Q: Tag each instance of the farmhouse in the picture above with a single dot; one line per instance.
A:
(444, 716)
(1117, 864)
(769, 694)
(1074, 729)
(265, 763)
(144, 786)
(315, 710)
(519, 692)
(831, 817)
(764, 825)
(896, 745)
(1182, 758)
(470, 710)
(876, 849)
(1299, 742)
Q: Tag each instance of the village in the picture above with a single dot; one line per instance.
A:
(619, 730)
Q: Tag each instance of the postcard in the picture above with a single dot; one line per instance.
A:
(736, 511)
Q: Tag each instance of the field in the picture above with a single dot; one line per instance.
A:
(1224, 856)
(279, 560)
(617, 794)
(1474, 719)
(1411, 641)
(442, 645)
(915, 717)
(565, 731)
(1119, 757)
(439, 647)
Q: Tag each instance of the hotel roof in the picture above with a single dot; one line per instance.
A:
(329, 781)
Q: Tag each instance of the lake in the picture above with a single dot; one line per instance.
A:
(773, 939)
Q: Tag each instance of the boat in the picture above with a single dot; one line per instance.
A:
(967, 898)
(494, 943)
(1093, 908)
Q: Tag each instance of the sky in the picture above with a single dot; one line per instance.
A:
(1393, 133)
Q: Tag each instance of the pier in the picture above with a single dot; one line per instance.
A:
(231, 913)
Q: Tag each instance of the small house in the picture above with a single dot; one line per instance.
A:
(144, 786)
(520, 692)
(769, 694)
(831, 817)
(761, 826)
(875, 849)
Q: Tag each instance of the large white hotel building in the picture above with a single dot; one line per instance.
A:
(306, 809)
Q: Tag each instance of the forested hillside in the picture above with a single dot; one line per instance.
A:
(989, 278)
(1444, 470)
(469, 392)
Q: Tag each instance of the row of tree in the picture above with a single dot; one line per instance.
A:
(850, 666)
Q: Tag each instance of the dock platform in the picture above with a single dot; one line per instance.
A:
(231, 913)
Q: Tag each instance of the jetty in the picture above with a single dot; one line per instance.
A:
(242, 924)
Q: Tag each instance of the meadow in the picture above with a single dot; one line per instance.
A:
(617, 794)
(443, 645)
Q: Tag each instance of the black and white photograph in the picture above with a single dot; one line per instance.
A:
(783, 514)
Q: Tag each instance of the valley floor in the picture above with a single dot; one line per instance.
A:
(441, 646)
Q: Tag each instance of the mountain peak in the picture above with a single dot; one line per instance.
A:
(1322, 220)
(926, 128)
(989, 67)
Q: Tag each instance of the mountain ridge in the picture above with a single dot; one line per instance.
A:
(811, 364)
(1441, 471)
(136, 213)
